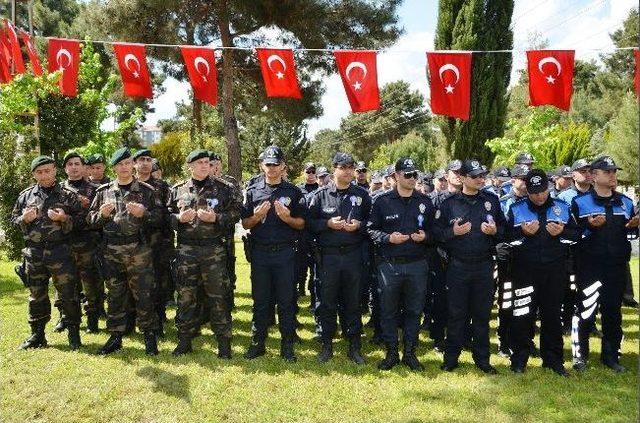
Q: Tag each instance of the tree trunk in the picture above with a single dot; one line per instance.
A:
(228, 112)
(196, 123)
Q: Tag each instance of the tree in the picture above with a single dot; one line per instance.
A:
(622, 142)
(424, 150)
(478, 25)
(324, 146)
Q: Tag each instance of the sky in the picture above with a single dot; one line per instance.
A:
(582, 25)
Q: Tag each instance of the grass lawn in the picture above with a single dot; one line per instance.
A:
(54, 384)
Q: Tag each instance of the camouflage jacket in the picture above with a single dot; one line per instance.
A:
(86, 189)
(43, 229)
(217, 194)
(120, 223)
(162, 191)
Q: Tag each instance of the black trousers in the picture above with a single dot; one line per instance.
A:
(469, 294)
(340, 277)
(436, 310)
(601, 285)
(537, 287)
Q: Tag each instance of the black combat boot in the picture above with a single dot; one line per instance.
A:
(37, 339)
(354, 353)
(224, 347)
(391, 359)
(150, 343)
(286, 351)
(410, 360)
(326, 353)
(184, 345)
(60, 325)
(92, 323)
(113, 344)
(256, 349)
(73, 335)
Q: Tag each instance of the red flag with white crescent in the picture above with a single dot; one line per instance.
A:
(551, 77)
(14, 45)
(132, 62)
(5, 73)
(359, 73)
(203, 75)
(636, 78)
(450, 82)
(279, 72)
(33, 54)
(64, 55)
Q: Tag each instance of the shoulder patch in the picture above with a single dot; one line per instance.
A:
(223, 181)
(103, 186)
(146, 185)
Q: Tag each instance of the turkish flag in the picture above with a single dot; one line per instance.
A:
(279, 72)
(359, 73)
(14, 45)
(203, 75)
(5, 73)
(551, 77)
(132, 61)
(33, 54)
(450, 84)
(636, 78)
(64, 55)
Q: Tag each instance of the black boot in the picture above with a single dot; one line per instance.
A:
(391, 359)
(60, 325)
(37, 339)
(410, 360)
(92, 323)
(184, 345)
(113, 344)
(224, 347)
(354, 351)
(327, 352)
(150, 343)
(73, 335)
(256, 349)
(286, 351)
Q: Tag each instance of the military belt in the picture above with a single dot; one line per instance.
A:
(272, 247)
(403, 259)
(201, 242)
(340, 249)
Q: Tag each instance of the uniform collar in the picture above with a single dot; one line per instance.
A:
(396, 194)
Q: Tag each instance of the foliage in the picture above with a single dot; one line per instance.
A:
(424, 150)
(622, 141)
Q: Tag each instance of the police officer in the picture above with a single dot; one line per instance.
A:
(469, 223)
(274, 212)
(304, 262)
(362, 177)
(323, 172)
(337, 217)
(606, 218)
(500, 176)
(540, 230)
(399, 225)
(97, 169)
(84, 242)
(122, 209)
(46, 213)
(561, 180)
(203, 209)
(159, 235)
(376, 183)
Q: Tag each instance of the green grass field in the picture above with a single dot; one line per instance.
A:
(56, 385)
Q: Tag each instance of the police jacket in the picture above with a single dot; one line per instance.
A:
(392, 213)
(474, 245)
(610, 242)
(541, 248)
(328, 202)
(273, 230)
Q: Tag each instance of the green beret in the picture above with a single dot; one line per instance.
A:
(70, 156)
(197, 154)
(119, 155)
(39, 161)
(140, 153)
(95, 158)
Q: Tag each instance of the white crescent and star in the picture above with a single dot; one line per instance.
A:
(453, 68)
(550, 79)
(132, 58)
(356, 65)
(276, 58)
(63, 52)
(200, 60)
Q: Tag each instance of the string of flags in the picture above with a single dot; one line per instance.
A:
(550, 72)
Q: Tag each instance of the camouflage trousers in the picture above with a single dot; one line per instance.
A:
(128, 271)
(163, 253)
(56, 263)
(92, 286)
(202, 267)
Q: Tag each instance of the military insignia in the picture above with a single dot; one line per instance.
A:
(487, 205)
(420, 220)
(422, 207)
(359, 201)
(285, 200)
(354, 200)
(475, 164)
(437, 214)
(557, 211)
(212, 203)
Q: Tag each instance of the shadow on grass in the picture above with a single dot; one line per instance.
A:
(166, 382)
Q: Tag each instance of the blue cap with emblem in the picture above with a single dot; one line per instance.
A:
(472, 167)
(525, 158)
(405, 164)
(454, 165)
(343, 159)
(537, 181)
(272, 155)
(604, 163)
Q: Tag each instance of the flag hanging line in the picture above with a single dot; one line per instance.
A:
(331, 50)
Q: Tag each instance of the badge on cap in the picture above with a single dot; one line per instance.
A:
(409, 162)
(608, 161)
(536, 180)
(487, 205)
(475, 164)
(422, 207)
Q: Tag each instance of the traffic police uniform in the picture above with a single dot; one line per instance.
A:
(341, 262)
(402, 268)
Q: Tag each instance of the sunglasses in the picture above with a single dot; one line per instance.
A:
(361, 170)
(272, 164)
(410, 175)
(310, 171)
(476, 176)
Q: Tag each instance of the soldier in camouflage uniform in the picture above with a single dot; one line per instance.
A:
(97, 168)
(46, 213)
(203, 209)
(84, 242)
(159, 236)
(122, 209)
